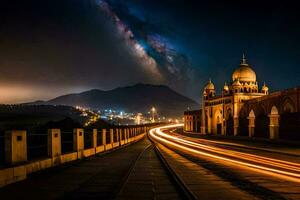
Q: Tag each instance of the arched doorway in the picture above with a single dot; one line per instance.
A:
(218, 119)
(262, 126)
(289, 126)
(243, 126)
(229, 123)
(289, 123)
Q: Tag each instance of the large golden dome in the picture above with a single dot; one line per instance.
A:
(244, 73)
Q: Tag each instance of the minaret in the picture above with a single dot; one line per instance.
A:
(244, 60)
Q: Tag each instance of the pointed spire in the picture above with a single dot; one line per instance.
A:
(244, 60)
(209, 80)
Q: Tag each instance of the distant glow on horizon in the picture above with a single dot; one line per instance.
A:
(14, 94)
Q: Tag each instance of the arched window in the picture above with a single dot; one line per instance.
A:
(274, 111)
(288, 106)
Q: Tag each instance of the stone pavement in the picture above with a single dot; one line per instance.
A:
(97, 177)
(149, 180)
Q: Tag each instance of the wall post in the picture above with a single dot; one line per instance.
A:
(54, 143)
(235, 126)
(274, 126)
(15, 147)
(111, 135)
(103, 137)
(78, 141)
(251, 126)
(95, 134)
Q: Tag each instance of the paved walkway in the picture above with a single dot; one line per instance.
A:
(149, 180)
(109, 176)
(94, 178)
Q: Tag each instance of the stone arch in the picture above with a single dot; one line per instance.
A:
(229, 122)
(288, 106)
(259, 109)
(228, 113)
(244, 122)
(243, 111)
(289, 123)
(218, 121)
(261, 122)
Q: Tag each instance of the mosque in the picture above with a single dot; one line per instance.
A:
(243, 108)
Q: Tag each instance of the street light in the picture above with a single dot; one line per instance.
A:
(153, 110)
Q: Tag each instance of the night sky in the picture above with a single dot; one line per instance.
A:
(53, 47)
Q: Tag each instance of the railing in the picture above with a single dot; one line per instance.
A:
(66, 141)
(36, 145)
(115, 134)
(99, 138)
(88, 139)
(45, 150)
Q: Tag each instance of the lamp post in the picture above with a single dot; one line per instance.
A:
(153, 110)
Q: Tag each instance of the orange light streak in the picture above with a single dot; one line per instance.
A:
(274, 167)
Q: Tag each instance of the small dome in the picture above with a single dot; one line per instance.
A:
(265, 88)
(244, 73)
(236, 82)
(210, 86)
(226, 88)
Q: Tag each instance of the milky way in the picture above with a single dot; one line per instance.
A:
(66, 46)
(155, 52)
(134, 46)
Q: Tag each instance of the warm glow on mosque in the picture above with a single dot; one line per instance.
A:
(243, 81)
(245, 109)
(222, 111)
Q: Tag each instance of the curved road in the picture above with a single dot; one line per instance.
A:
(279, 175)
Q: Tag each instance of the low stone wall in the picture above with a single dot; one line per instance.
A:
(19, 170)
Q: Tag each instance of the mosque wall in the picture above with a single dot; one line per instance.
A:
(244, 110)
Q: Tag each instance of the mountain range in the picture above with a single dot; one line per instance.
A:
(136, 98)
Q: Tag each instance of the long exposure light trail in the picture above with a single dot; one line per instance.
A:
(245, 156)
(275, 167)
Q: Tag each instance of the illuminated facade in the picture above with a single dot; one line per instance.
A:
(222, 111)
(192, 121)
(244, 109)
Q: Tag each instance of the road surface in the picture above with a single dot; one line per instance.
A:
(263, 174)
